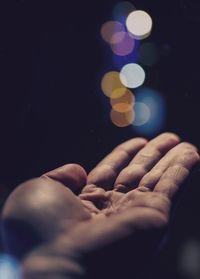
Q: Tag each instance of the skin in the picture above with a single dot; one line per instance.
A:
(108, 223)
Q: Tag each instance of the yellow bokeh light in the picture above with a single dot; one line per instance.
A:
(122, 119)
(109, 28)
(117, 93)
(110, 83)
(139, 24)
(124, 103)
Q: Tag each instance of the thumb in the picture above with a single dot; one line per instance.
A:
(71, 175)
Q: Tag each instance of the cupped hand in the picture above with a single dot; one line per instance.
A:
(108, 223)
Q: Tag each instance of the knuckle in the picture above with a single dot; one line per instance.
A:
(151, 177)
(147, 154)
(121, 152)
(131, 175)
(175, 172)
(137, 171)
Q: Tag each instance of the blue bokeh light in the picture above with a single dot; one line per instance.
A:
(157, 108)
(122, 10)
(9, 267)
(142, 114)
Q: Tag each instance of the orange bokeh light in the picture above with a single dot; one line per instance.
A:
(122, 119)
(124, 103)
(110, 83)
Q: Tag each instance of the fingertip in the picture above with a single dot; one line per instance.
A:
(142, 140)
(189, 145)
(73, 176)
(171, 136)
(132, 145)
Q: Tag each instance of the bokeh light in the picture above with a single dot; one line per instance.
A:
(139, 24)
(122, 10)
(123, 43)
(122, 119)
(121, 61)
(189, 259)
(110, 83)
(118, 37)
(142, 114)
(109, 28)
(132, 75)
(117, 93)
(123, 103)
(154, 110)
(149, 54)
(9, 267)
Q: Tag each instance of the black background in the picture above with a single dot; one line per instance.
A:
(52, 110)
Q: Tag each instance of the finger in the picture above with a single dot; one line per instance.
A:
(145, 159)
(72, 176)
(176, 174)
(152, 177)
(105, 173)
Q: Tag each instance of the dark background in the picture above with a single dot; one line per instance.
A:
(53, 112)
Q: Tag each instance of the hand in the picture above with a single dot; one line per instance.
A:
(113, 223)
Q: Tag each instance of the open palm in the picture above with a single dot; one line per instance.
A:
(105, 224)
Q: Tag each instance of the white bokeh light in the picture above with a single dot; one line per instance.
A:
(189, 258)
(139, 24)
(132, 75)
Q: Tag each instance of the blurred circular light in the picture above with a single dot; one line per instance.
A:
(125, 43)
(119, 92)
(121, 61)
(132, 75)
(122, 10)
(117, 37)
(190, 258)
(9, 267)
(122, 119)
(142, 114)
(139, 24)
(109, 28)
(123, 103)
(148, 54)
(152, 113)
(111, 82)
